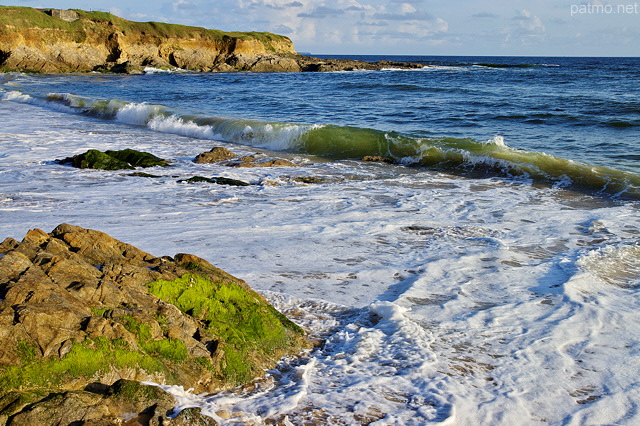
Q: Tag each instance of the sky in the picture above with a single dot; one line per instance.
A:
(404, 27)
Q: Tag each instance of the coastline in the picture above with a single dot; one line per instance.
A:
(440, 297)
(53, 41)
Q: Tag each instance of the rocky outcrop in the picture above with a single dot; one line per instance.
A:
(216, 154)
(228, 158)
(80, 310)
(47, 42)
(114, 160)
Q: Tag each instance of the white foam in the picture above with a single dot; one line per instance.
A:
(440, 300)
(176, 125)
(137, 113)
(15, 95)
(497, 140)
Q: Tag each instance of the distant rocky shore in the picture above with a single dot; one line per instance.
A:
(84, 318)
(59, 41)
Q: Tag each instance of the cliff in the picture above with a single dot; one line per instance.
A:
(51, 42)
(60, 41)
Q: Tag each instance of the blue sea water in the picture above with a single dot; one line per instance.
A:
(581, 109)
(489, 276)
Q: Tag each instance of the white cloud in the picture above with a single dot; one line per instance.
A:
(530, 23)
(356, 24)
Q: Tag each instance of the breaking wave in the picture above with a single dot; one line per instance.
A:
(454, 155)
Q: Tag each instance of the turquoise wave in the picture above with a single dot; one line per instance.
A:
(454, 155)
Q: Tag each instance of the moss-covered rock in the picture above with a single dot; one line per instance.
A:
(78, 307)
(125, 159)
(137, 158)
(248, 331)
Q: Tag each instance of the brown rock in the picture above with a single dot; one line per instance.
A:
(125, 402)
(216, 154)
(75, 310)
(377, 159)
(253, 162)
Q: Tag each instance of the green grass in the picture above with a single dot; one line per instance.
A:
(26, 17)
(249, 329)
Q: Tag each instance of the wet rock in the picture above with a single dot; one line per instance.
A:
(145, 175)
(215, 155)
(377, 159)
(114, 160)
(124, 402)
(216, 179)
(80, 310)
(251, 161)
(310, 179)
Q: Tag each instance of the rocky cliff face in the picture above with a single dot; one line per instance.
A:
(59, 42)
(34, 40)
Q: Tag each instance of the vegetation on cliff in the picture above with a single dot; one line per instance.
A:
(24, 18)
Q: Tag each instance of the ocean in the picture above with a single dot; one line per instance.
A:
(489, 275)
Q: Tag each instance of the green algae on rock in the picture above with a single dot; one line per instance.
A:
(125, 159)
(238, 318)
(78, 307)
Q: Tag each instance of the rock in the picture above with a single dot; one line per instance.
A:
(80, 310)
(137, 158)
(145, 175)
(114, 160)
(377, 159)
(216, 179)
(310, 179)
(124, 401)
(251, 161)
(215, 155)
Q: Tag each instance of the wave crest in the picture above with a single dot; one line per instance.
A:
(455, 155)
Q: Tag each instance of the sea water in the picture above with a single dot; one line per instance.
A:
(489, 276)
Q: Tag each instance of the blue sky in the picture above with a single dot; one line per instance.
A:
(407, 27)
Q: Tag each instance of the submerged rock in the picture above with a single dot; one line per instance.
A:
(80, 310)
(377, 159)
(216, 179)
(258, 160)
(272, 162)
(124, 159)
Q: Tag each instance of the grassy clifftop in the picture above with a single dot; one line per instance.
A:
(21, 18)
